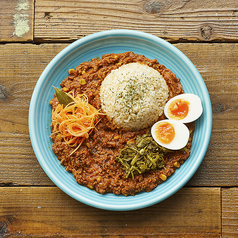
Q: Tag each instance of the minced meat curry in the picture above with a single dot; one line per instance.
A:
(95, 164)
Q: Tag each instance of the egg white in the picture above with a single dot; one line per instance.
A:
(195, 107)
(181, 135)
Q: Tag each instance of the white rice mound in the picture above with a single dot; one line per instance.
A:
(133, 96)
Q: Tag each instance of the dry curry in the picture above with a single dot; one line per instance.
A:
(100, 162)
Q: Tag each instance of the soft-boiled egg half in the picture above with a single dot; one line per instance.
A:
(184, 108)
(170, 134)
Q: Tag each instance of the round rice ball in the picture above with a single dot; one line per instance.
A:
(133, 96)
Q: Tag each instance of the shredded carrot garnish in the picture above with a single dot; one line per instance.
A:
(75, 122)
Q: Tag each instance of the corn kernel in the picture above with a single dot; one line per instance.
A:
(64, 89)
(71, 71)
(129, 142)
(82, 81)
(98, 179)
(83, 72)
(177, 164)
(163, 177)
(116, 137)
(115, 57)
(58, 137)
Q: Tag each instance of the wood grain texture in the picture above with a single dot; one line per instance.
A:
(229, 212)
(173, 20)
(31, 211)
(217, 64)
(30, 204)
(16, 20)
(18, 76)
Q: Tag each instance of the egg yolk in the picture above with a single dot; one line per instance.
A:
(178, 109)
(164, 132)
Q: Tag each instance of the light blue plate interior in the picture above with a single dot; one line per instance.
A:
(116, 41)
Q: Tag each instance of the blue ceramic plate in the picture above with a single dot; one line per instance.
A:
(95, 45)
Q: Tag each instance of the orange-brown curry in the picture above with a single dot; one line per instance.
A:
(93, 164)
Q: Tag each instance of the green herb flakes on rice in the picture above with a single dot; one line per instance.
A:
(133, 96)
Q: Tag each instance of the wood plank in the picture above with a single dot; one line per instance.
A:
(229, 212)
(172, 20)
(39, 211)
(18, 76)
(16, 20)
(217, 64)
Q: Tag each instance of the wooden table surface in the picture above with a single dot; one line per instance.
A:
(32, 32)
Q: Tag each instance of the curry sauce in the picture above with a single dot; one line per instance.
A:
(94, 164)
